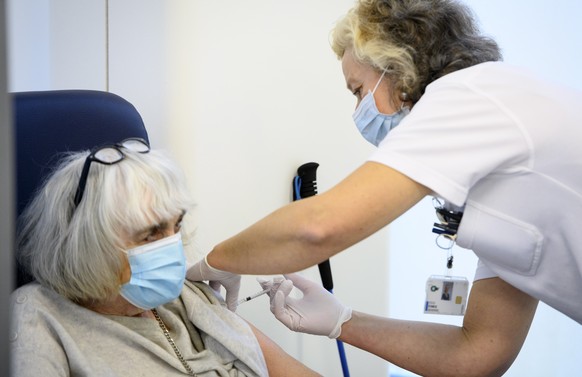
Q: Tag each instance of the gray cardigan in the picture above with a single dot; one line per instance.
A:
(52, 336)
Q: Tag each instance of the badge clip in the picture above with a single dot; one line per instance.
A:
(446, 294)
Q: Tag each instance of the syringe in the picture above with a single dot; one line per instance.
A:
(253, 296)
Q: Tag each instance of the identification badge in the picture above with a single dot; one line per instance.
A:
(446, 295)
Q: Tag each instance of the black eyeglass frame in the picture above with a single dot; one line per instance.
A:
(92, 157)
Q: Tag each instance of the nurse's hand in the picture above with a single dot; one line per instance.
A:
(318, 312)
(231, 282)
(271, 284)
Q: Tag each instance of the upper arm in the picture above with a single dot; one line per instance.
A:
(32, 362)
(279, 363)
(35, 349)
(363, 203)
(497, 321)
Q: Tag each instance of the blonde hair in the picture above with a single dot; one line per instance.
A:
(415, 41)
(78, 251)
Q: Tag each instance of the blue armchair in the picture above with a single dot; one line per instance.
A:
(49, 123)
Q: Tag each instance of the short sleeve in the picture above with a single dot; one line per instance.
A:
(483, 272)
(455, 135)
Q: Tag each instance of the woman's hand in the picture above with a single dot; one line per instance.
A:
(318, 312)
(231, 282)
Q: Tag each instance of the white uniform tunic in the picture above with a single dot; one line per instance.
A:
(507, 146)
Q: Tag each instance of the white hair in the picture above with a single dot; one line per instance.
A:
(78, 252)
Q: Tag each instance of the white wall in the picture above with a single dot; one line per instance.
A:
(256, 92)
(28, 44)
(245, 92)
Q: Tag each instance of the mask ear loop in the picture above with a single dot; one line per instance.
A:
(403, 95)
(379, 81)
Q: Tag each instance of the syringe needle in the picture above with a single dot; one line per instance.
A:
(253, 296)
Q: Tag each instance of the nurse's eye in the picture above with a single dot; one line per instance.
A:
(357, 92)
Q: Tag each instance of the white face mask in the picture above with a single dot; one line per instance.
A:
(373, 125)
(158, 270)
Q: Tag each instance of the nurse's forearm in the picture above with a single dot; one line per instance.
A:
(427, 349)
(311, 230)
(288, 240)
(494, 328)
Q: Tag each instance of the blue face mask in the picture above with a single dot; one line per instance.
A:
(373, 125)
(158, 270)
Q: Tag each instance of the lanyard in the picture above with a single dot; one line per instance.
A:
(446, 294)
(446, 229)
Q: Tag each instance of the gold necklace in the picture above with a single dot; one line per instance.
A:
(173, 344)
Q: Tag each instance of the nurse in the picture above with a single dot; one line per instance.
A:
(501, 148)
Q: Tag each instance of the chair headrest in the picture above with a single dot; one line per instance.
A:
(50, 123)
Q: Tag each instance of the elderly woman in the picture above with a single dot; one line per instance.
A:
(497, 145)
(106, 250)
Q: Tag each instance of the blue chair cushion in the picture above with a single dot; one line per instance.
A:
(49, 123)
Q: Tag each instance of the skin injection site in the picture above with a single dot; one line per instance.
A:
(365, 188)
